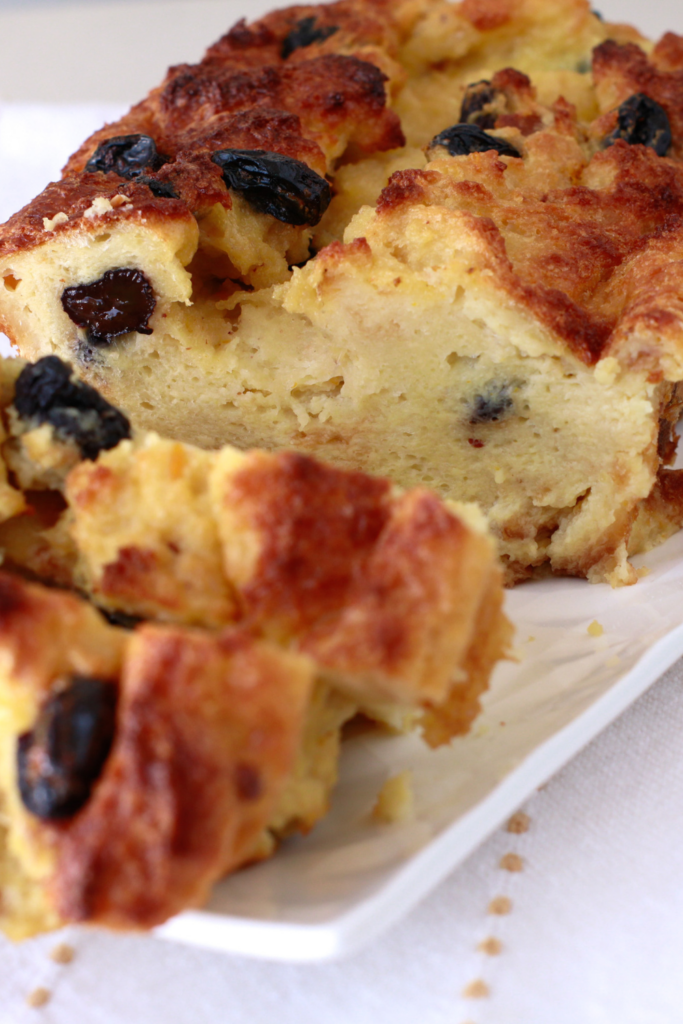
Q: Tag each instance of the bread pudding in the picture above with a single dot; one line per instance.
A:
(439, 242)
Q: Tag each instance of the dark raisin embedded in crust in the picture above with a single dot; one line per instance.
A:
(492, 405)
(477, 105)
(285, 188)
(119, 302)
(121, 619)
(47, 392)
(305, 34)
(61, 758)
(642, 122)
(462, 139)
(160, 189)
(129, 156)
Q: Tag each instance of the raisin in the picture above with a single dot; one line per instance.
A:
(642, 122)
(305, 34)
(129, 156)
(462, 139)
(160, 189)
(62, 757)
(119, 302)
(121, 619)
(492, 405)
(477, 104)
(285, 188)
(47, 392)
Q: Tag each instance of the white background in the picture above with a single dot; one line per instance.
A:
(596, 928)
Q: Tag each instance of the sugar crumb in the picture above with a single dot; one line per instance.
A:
(519, 823)
(491, 946)
(395, 800)
(63, 953)
(120, 200)
(39, 997)
(476, 990)
(500, 905)
(613, 662)
(595, 629)
(49, 224)
(100, 205)
(512, 862)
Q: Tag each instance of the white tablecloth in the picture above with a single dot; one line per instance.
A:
(594, 925)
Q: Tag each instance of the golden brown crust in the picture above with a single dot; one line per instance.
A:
(491, 635)
(380, 588)
(75, 196)
(208, 729)
(620, 71)
(332, 95)
(487, 15)
(406, 618)
(317, 527)
(668, 53)
(73, 637)
(370, 23)
(593, 262)
(311, 106)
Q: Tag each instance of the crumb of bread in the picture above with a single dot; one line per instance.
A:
(476, 990)
(511, 862)
(491, 946)
(39, 997)
(595, 629)
(63, 953)
(49, 224)
(99, 206)
(395, 800)
(519, 823)
(500, 905)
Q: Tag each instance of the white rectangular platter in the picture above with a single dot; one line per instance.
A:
(326, 895)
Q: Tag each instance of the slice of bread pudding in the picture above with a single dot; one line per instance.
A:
(135, 768)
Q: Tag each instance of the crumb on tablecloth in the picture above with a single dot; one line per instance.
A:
(519, 823)
(63, 953)
(500, 905)
(395, 800)
(477, 989)
(512, 862)
(39, 997)
(491, 946)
